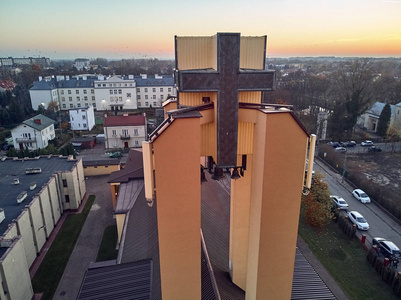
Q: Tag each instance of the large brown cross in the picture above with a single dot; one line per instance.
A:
(226, 81)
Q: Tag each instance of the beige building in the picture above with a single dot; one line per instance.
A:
(124, 132)
(38, 191)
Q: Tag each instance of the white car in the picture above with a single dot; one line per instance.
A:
(367, 143)
(361, 196)
(339, 202)
(356, 218)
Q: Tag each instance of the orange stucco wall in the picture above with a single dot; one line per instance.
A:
(277, 180)
(177, 179)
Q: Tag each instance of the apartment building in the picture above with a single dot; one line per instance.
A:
(115, 93)
(151, 91)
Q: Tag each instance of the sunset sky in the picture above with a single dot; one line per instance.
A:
(137, 29)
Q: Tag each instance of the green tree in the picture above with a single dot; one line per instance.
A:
(384, 120)
(16, 112)
(316, 206)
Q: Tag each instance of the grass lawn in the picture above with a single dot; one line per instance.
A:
(52, 268)
(346, 261)
(107, 249)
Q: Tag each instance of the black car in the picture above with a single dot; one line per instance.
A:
(334, 144)
(348, 144)
(374, 149)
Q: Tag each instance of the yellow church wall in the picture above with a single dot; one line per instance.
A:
(278, 166)
(176, 157)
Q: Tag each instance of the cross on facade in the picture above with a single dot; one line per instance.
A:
(227, 81)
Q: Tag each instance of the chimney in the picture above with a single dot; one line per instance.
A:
(38, 121)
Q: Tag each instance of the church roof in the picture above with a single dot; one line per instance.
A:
(377, 108)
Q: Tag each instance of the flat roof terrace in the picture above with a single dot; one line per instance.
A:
(11, 169)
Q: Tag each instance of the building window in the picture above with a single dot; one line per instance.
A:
(128, 94)
(93, 98)
(85, 91)
(86, 98)
(139, 104)
(65, 183)
(92, 91)
(161, 97)
(79, 104)
(84, 125)
(146, 90)
(120, 91)
(64, 106)
(78, 98)
(146, 103)
(114, 132)
(125, 132)
(67, 198)
(146, 96)
(138, 90)
(99, 85)
(94, 105)
(111, 92)
(70, 98)
(71, 105)
(154, 97)
(139, 97)
(115, 91)
(135, 131)
(69, 92)
(137, 143)
(62, 98)
(161, 89)
(154, 103)
(169, 89)
(104, 84)
(154, 90)
(76, 91)
(120, 98)
(62, 92)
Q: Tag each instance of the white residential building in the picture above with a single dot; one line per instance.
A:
(43, 92)
(116, 93)
(152, 91)
(123, 132)
(34, 133)
(82, 118)
(370, 119)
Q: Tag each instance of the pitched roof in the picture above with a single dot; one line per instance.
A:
(165, 80)
(129, 120)
(44, 85)
(377, 108)
(39, 125)
(133, 168)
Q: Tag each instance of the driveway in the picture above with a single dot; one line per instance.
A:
(86, 248)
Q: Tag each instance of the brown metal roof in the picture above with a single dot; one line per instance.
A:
(129, 120)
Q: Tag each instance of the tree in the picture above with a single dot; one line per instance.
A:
(393, 135)
(317, 204)
(384, 120)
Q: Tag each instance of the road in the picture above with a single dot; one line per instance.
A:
(381, 225)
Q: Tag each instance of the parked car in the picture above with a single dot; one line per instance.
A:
(115, 154)
(374, 149)
(367, 143)
(7, 147)
(339, 202)
(340, 149)
(360, 222)
(361, 196)
(334, 144)
(387, 248)
(348, 144)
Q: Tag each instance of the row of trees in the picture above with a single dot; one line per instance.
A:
(345, 90)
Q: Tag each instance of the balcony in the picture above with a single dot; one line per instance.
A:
(125, 137)
(26, 140)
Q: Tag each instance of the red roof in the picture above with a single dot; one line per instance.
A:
(7, 84)
(124, 121)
